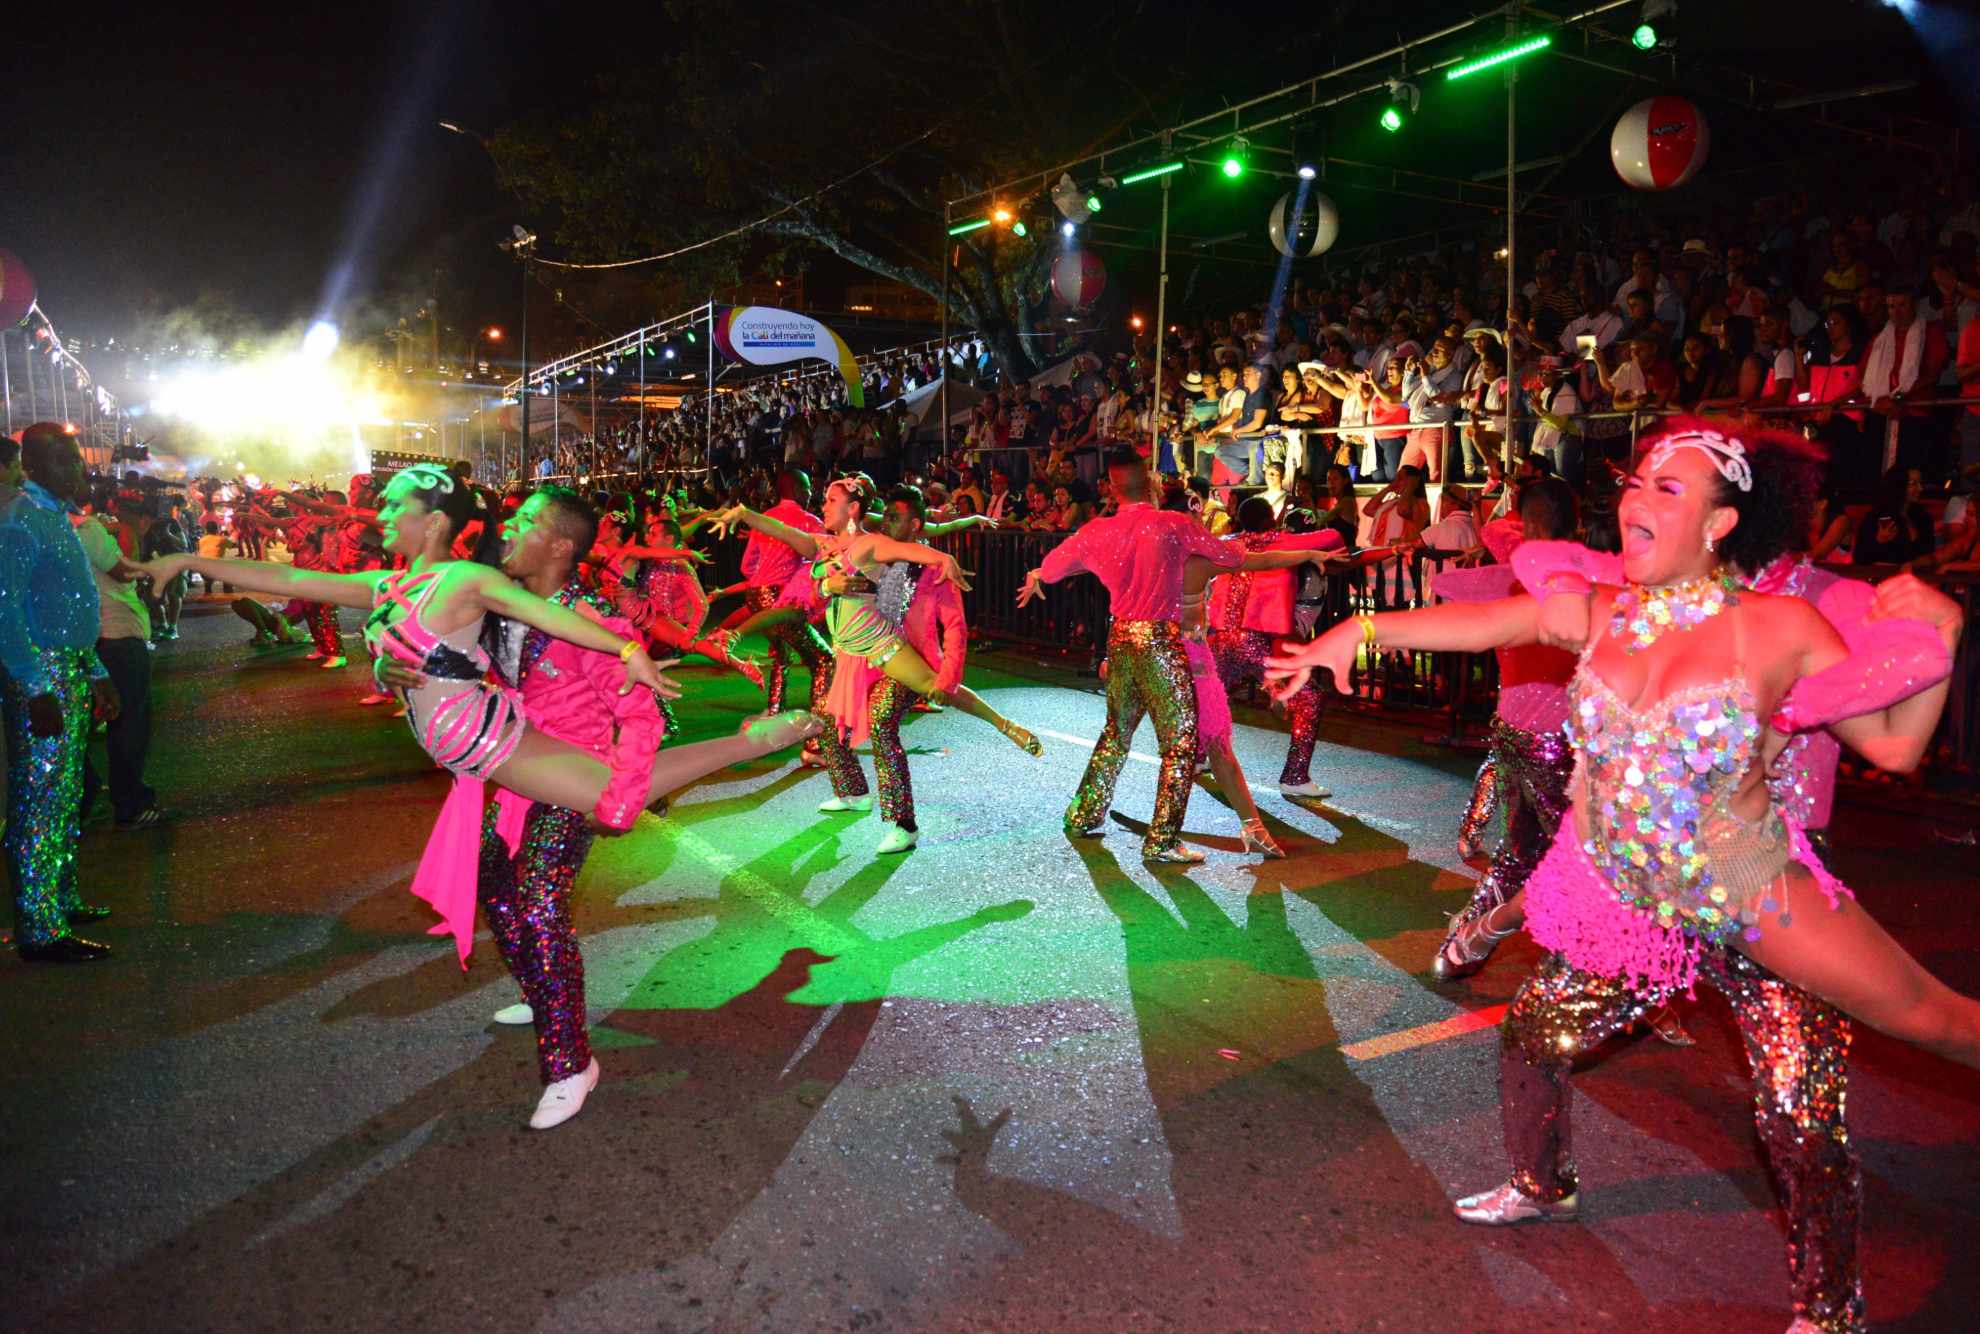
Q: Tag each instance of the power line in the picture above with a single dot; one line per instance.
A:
(748, 226)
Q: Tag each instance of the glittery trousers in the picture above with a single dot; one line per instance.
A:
(1147, 673)
(1484, 803)
(1240, 656)
(887, 705)
(801, 641)
(44, 799)
(324, 628)
(1798, 1048)
(1529, 780)
(527, 900)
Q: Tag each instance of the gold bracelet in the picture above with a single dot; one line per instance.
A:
(630, 647)
(1367, 619)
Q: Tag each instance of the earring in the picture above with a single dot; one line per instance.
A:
(1711, 543)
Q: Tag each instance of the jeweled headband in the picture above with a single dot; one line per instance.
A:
(428, 477)
(1728, 455)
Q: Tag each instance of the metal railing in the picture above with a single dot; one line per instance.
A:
(1460, 689)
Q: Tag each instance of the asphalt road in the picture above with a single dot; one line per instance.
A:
(1007, 1081)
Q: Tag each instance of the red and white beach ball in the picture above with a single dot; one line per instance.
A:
(1078, 278)
(1660, 143)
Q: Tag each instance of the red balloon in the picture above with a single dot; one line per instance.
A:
(1078, 278)
(16, 290)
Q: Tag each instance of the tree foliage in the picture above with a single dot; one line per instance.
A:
(712, 116)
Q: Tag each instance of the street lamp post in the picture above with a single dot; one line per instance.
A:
(493, 335)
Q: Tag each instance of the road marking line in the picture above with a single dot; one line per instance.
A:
(1090, 742)
(1423, 1035)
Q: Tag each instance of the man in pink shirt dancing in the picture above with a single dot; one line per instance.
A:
(531, 853)
(1138, 554)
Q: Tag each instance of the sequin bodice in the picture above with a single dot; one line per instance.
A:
(1659, 783)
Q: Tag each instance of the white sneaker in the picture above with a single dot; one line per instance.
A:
(836, 804)
(1506, 1206)
(1311, 790)
(519, 1013)
(561, 1100)
(897, 840)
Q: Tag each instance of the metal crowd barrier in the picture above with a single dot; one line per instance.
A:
(1460, 688)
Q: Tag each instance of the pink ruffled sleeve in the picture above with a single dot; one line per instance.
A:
(1888, 661)
(1541, 566)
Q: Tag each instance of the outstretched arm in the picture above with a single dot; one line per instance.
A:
(261, 576)
(496, 593)
(886, 550)
(958, 525)
(1896, 737)
(805, 544)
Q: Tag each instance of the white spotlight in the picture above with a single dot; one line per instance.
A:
(1068, 230)
(320, 341)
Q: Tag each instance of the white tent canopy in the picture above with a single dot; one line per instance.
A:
(925, 404)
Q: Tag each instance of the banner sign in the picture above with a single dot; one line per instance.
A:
(766, 336)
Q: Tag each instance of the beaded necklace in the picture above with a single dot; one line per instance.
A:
(1642, 615)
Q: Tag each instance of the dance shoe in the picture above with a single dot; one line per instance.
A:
(1670, 1029)
(1506, 1206)
(561, 1100)
(1310, 790)
(1020, 738)
(1176, 853)
(897, 840)
(1466, 949)
(834, 805)
(375, 697)
(84, 912)
(515, 1015)
(1094, 830)
(332, 664)
(811, 756)
(1257, 840)
(63, 949)
(144, 819)
(314, 655)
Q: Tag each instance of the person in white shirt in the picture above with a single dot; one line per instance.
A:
(123, 645)
(1557, 436)
(1665, 303)
(1598, 318)
(1001, 505)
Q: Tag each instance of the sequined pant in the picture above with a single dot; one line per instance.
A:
(1147, 674)
(1484, 803)
(888, 704)
(44, 798)
(1529, 780)
(527, 900)
(802, 641)
(1240, 658)
(1798, 1048)
(324, 629)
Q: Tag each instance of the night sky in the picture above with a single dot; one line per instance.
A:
(252, 152)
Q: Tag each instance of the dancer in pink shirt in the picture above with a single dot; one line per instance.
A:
(1138, 554)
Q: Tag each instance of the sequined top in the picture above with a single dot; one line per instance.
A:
(1659, 782)
(48, 597)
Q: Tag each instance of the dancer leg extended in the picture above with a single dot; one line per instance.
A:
(911, 670)
(556, 773)
(888, 704)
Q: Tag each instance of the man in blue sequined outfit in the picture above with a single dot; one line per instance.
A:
(48, 625)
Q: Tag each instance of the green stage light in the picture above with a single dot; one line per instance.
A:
(1135, 178)
(1233, 167)
(973, 225)
(1093, 203)
(1392, 119)
(690, 336)
(1527, 47)
(1644, 38)
(1019, 229)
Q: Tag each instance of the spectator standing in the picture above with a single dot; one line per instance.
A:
(1432, 387)
(123, 647)
(1899, 371)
